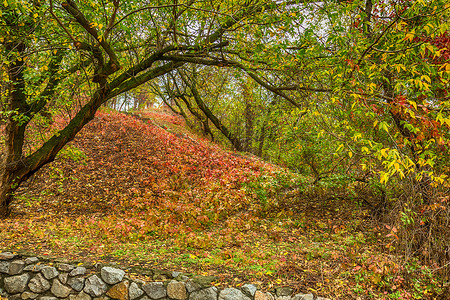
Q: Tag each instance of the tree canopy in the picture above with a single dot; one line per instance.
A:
(349, 90)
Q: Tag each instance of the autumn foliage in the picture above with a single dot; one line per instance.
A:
(146, 191)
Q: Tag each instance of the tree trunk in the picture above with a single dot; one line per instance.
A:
(262, 137)
(5, 194)
(15, 128)
(209, 114)
(249, 116)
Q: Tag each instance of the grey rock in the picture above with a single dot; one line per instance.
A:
(28, 295)
(4, 267)
(49, 272)
(321, 298)
(48, 298)
(76, 283)
(15, 297)
(7, 256)
(65, 267)
(34, 268)
(249, 289)
(284, 298)
(112, 275)
(192, 286)
(232, 294)
(175, 274)
(134, 291)
(94, 286)
(301, 296)
(31, 260)
(78, 271)
(283, 291)
(16, 284)
(206, 294)
(80, 296)
(38, 284)
(16, 267)
(155, 290)
(176, 290)
(102, 298)
(139, 281)
(60, 290)
(63, 278)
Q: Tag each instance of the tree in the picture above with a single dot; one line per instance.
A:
(76, 55)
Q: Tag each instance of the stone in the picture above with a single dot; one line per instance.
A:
(249, 289)
(80, 296)
(176, 290)
(321, 298)
(78, 271)
(283, 291)
(284, 298)
(16, 284)
(175, 274)
(7, 256)
(263, 296)
(15, 297)
(4, 267)
(94, 286)
(48, 298)
(63, 278)
(38, 284)
(134, 291)
(112, 275)
(76, 283)
(31, 260)
(49, 272)
(64, 267)
(119, 291)
(301, 296)
(232, 294)
(205, 281)
(155, 290)
(102, 298)
(33, 268)
(192, 286)
(16, 267)
(28, 295)
(60, 290)
(205, 294)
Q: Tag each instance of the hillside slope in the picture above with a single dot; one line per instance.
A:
(148, 193)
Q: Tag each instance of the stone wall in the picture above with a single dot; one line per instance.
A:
(24, 277)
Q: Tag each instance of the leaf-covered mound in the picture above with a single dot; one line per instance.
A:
(148, 192)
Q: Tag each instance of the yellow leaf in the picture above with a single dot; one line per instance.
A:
(409, 36)
(100, 26)
(426, 78)
(350, 154)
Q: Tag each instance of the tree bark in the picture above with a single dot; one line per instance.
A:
(209, 114)
(15, 128)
